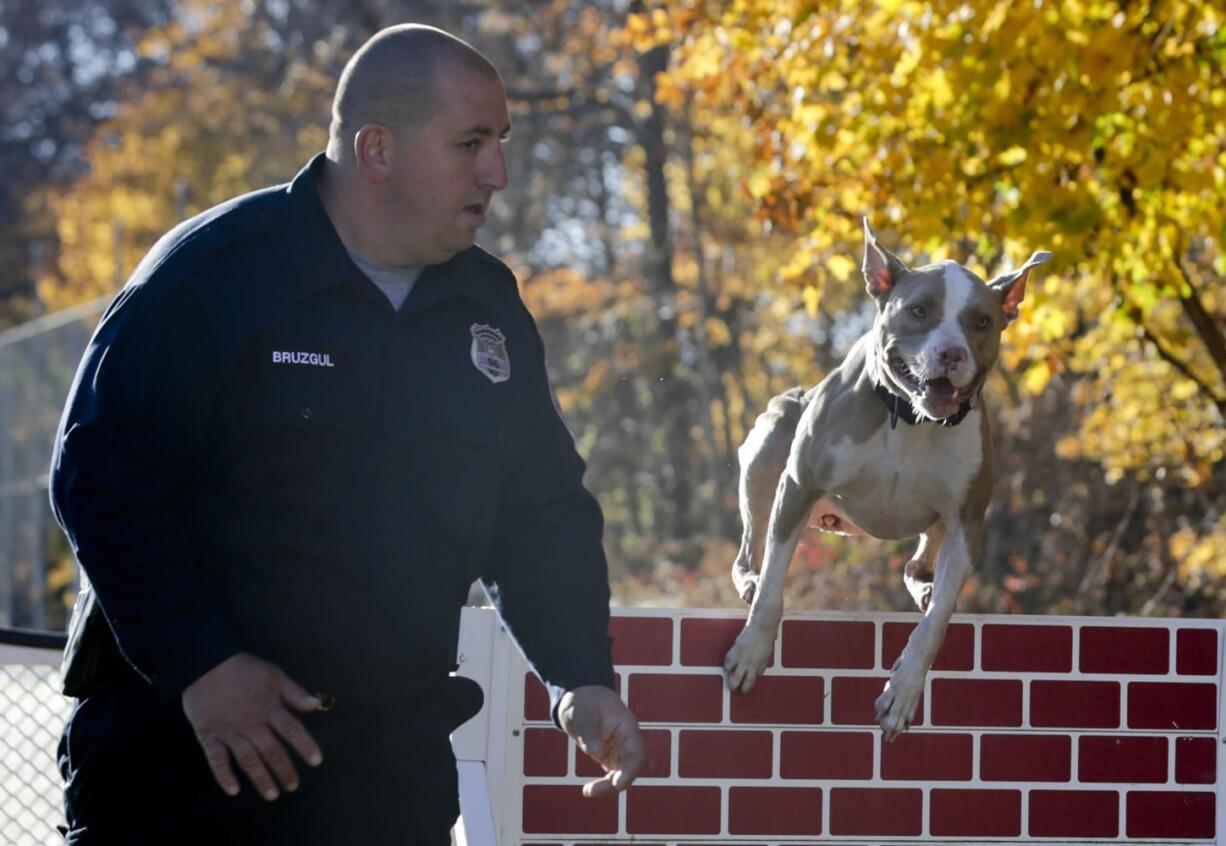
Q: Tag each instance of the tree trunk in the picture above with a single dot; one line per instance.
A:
(671, 391)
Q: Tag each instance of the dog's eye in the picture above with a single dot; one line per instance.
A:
(983, 322)
(918, 311)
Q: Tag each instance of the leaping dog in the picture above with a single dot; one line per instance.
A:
(894, 443)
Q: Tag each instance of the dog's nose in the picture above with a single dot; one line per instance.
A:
(952, 356)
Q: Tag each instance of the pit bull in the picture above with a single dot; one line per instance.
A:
(894, 443)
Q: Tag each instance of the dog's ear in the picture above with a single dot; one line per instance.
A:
(1012, 286)
(881, 268)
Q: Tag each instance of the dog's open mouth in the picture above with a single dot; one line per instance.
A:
(939, 397)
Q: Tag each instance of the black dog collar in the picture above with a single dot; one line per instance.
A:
(901, 407)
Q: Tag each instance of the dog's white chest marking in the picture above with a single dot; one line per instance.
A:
(898, 481)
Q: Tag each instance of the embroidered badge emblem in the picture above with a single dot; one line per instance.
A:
(489, 352)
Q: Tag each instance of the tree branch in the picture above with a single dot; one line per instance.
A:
(1134, 314)
(1206, 328)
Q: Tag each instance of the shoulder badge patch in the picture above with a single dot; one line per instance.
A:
(489, 352)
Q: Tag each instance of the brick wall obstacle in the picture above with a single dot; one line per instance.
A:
(1031, 729)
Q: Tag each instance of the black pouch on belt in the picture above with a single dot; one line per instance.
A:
(463, 698)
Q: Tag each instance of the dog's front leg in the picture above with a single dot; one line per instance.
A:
(750, 654)
(896, 705)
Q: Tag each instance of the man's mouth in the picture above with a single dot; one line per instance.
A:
(939, 396)
(476, 210)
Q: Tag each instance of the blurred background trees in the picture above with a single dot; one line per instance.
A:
(684, 214)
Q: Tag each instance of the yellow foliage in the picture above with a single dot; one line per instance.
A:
(188, 143)
(985, 130)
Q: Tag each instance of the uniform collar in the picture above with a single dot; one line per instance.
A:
(321, 261)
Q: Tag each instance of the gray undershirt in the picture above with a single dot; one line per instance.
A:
(394, 282)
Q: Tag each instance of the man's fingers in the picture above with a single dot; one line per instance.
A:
(631, 753)
(276, 758)
(297, 697)
(218, 758)
(249, 761)
(601, 787)
(295, 734)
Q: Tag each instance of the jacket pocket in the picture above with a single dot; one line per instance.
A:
(306, 401)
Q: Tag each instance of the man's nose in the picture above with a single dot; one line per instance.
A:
(492, 175)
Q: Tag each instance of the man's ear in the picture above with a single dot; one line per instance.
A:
(373, 147)
(881, 268)
(1012, 286)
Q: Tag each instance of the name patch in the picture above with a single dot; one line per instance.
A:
(308, 358)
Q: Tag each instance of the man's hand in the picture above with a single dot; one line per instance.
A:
(238, 708)
(607, 732)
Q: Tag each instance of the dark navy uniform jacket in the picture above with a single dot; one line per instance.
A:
(259, 454)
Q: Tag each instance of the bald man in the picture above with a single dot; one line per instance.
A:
(313, 416)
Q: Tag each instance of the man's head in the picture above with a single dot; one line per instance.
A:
(938, 327)
(417, 126)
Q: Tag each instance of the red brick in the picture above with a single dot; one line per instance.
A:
(1074, 813)
(1154, 705)
(725, 754)
(642, 640)
(1028, 649)
(704, 643)
(889, 812)
(1195, 760)
(673, 810)
(658, 763)
(1170, 814)
(957, 652)
(774, 810)
(544, 752)
(1102, 758)
(830, 644)
(975, 813)
(780, 699)
(1074, 704)
(826, 754)
(852, 698)
(927, 757)
(1196, 652)
(1120, 649)
(536, 699)
(1025, 757)
(976, 702)
(562, 809)
(668, 698)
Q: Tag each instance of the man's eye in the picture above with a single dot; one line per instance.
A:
(918, 311)
(471, 144)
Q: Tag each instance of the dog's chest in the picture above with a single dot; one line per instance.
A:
(898, 482)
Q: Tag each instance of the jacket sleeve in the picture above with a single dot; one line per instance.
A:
(132, 448)
(549, 578)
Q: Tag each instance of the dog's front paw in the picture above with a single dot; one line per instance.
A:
(896, 705)
(917, 576)
(745, 580)
(748, 657)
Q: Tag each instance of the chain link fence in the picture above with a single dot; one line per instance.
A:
(32, 715)
(37, 362)
(38, 577)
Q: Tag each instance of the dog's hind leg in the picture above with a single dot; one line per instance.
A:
(762, 457)
(918, 573)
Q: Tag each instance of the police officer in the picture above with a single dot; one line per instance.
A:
(313, 416)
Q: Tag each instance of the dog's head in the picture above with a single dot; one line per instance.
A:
(937, 330)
